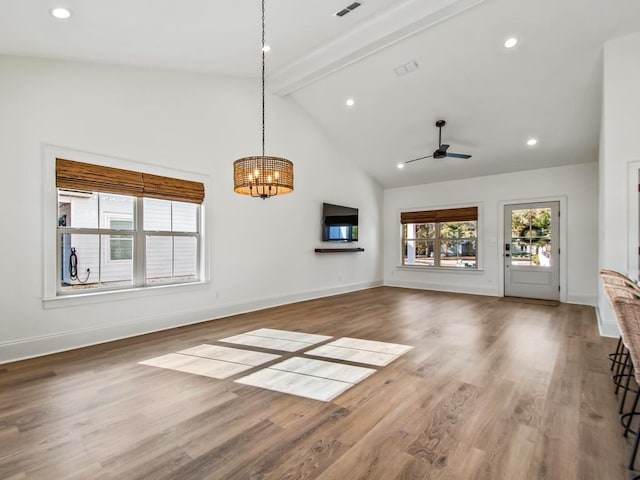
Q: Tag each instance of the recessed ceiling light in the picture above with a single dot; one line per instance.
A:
(510, 42)
(266, 48)
(61, 13)
(350, 102)
(401, 166)
(532, 141)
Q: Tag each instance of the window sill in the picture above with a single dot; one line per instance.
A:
(63, 301)
(425, 268)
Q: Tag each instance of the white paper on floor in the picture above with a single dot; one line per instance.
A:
(353, 355)
(310, 338)
(228, 354)
(306, 386)
(322, 369)
(371, 345)
(197, 365)
(266, 342)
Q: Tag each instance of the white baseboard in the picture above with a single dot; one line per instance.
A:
(469, 289)
(591, 300)
(606, 329)
(59, 342)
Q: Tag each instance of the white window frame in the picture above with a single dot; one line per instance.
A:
(50, 234)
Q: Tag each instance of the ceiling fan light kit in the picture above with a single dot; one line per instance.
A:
(442, 150)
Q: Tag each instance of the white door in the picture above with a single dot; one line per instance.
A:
(531, 250)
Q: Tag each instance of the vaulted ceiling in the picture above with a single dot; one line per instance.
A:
(494, 99)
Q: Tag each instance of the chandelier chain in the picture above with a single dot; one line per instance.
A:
(263, 78)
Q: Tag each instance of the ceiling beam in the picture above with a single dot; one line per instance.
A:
(402, 21)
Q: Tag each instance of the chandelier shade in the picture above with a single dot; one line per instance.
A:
(263, 176)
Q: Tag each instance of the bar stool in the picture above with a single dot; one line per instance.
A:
(626, 365)
(620, 357)
(628, 314)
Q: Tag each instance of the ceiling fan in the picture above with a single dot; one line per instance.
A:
(441, 152)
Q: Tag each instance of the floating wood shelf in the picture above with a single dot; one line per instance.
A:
(338, 250)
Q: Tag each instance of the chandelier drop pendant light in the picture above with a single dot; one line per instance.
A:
(263, 176)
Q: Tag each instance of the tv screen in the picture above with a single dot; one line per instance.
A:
(339, 224)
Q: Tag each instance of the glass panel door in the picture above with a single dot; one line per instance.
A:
(531, 266)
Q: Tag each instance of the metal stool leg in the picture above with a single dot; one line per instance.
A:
(615, 356)
(620, 372)
(627, 423)
(626, 390)
(635, 452)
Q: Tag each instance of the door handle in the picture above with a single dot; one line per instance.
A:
(507, 255)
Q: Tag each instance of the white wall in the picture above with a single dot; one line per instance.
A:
(261, 252)
(574, 186)
(619, 157)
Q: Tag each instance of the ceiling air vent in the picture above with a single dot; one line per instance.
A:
(348, 9)
(406, 68)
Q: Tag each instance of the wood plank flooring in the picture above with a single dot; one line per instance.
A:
(491, 390)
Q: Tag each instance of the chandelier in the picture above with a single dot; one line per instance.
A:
(263, 176)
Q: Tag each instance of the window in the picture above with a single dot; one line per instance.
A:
(440, 238)
(171, 241)
(119, 229)
(120, 246)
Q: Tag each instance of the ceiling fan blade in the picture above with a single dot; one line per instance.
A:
(443, 148)
(458, 155)
(420, 158)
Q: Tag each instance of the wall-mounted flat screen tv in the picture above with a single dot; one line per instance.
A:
(339, 224)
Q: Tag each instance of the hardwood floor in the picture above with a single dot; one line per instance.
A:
(491, 390)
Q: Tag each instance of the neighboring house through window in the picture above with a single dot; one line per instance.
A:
(120, 246)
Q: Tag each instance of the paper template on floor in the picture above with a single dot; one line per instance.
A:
(305, 377)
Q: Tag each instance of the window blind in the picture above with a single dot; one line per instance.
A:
(85, 177)
(466, 214)
(167, 188)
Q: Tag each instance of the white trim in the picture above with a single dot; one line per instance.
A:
(633, 223)
(100, 296)
(426, 268)
(606, 329)
(62, 341)
(49, 210)
(563, 199)
(591, 300)
(438, 287)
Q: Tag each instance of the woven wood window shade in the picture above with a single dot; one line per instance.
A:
(467, 214)
(167, 188)
(85, 177)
